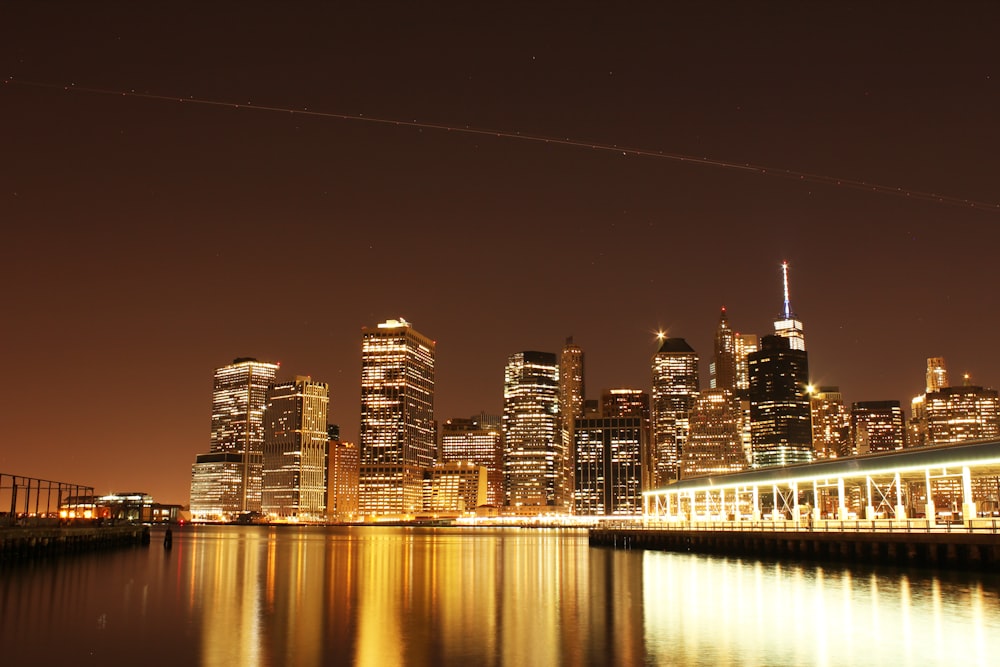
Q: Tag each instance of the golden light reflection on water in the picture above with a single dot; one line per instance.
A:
(404, 596)
(718, 611)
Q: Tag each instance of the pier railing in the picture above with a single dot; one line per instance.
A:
(972, 526)
(30, 501)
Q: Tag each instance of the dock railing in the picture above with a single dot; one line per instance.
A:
(30, 501)
(972, 526)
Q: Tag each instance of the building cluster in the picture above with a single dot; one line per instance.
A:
(553, 450)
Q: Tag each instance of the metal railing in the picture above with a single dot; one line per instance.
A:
(30, 501)
(973, 526)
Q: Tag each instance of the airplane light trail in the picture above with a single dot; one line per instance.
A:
(792, 174)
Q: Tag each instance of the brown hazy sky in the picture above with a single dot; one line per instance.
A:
(147, 242)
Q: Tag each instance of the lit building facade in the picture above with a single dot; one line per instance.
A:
(937, 374)
(216, 486)
(398, 433)
(831, 423)
(624, 402)
(296, 452)
(477, 440)
(714, 445)
(877, 426)
(957, 414)
(780, 421)
(745, 344)
(344, 481)
(608, 461)
(572, 397)
(675, 385)
(533, 452)
(789, 326)
(454, 487)
(239, 393)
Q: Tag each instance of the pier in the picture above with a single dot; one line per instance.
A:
(855, 541)
(41, 518)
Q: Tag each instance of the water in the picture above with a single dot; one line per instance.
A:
(421, 596)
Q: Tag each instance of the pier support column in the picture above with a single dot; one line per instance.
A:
(756, 503)
(968, 504)
(930, 512)
(841, 504)
(869, 508)
(899, 510)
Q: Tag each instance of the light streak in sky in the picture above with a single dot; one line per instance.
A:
(791, 174)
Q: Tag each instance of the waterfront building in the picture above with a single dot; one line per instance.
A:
(344, 481)
(216, 486)
(877, 426)
(788, 324)
(398, 433)
(831, 423)
(477, 440)
(454, 487)
(723, 366)
(781, 426)
(239, 392)
(714, 445)
(296, 451)
(624, 402)
(608, 461)
(572, 397)
(533, 453)
(675, 385)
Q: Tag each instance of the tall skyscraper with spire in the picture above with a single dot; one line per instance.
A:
(789, 325)
(675, 386)
(398, 433)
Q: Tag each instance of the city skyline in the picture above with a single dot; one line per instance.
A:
(147, 238)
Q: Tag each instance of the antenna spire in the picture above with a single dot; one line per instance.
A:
(788, 305)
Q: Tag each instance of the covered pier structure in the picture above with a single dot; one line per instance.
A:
(920, 487)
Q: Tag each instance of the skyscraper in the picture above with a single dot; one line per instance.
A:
(830, 423)
(675, 386)
(295, 451)
(788, 324)
(477, 440)
(723, 367)
(745, 344)
(780, 422)
(398, 434)
(227, 481)
(533, 456)
(877, 426)
(714, 445)
(342, 488)
(572, 397)
(608, 460)
(625, 402)
(937, 374)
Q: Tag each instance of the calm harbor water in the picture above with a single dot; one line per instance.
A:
(449, 596)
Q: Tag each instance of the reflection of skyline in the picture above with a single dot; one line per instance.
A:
(483, 597)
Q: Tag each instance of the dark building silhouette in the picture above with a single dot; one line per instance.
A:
(780, 421)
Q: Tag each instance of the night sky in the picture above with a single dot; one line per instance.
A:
(147, 242)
